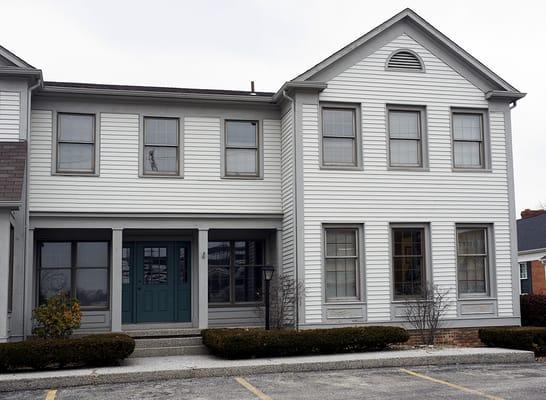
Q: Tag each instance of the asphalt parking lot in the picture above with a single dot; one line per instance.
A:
(493, 382)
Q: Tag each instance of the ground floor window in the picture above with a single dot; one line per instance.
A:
(79, 268)
(341, 258)
(235, 271)
(472, 260)
(409, 259)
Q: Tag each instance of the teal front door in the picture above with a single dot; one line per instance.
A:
(156, 282)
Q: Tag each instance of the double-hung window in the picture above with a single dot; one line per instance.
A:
(468, 140)
(242, 149)
(405, 137)
(76, 143)
(472, 260)
(235, 271)
(77, 268)
(409, 257)
(341, 263)
(339, 137)
(161, 146)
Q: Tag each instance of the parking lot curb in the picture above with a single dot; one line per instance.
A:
(130, 374)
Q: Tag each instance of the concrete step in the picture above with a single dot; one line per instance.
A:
(169, 351)
(163, 333)
(168, 342)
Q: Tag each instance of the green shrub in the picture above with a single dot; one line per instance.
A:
(533, 310)
(256, 343)
(520, 338)
(92, 350)
(57, 318)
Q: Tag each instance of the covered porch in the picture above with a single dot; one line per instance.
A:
(166, 272)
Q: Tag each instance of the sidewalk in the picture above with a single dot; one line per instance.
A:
(179, 367)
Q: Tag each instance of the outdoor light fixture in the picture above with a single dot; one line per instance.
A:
(268, 275)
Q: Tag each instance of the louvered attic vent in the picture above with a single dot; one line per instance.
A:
(405, 60)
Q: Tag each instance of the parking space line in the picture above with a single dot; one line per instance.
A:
(451, 385)
(51, 394)
(257, 392)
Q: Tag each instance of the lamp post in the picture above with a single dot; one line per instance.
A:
(268, 275)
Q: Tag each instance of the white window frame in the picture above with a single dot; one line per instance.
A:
(521, 276)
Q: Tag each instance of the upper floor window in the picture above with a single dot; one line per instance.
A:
(472, 260)
(161, 146)
(242, 152)
(405, 60)
(339, 137)
(405, 137)
(76, 143)
(468, 140)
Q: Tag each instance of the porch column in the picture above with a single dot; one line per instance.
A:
(116, 279)
(203, 255)
(30, 287)
(4, 273)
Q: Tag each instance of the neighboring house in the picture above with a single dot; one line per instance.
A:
(385, 167)
(532, 251)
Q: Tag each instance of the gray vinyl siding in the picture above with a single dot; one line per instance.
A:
(10, 115)
(118, 188)
(234, 317)
(378, 196)
(288, 192)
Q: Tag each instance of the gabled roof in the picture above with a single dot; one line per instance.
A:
(13, 59)
(411, 16)
(532, 233)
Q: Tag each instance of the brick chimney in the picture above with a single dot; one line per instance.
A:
(527, 213)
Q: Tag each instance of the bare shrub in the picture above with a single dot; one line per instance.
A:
(425, 314)
(284, 294)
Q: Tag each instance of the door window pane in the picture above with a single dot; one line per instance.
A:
(92, 287)
(155, 265)
(408, 262)
(183, 264)
(472, 260)
(126, 265)
(341, 261)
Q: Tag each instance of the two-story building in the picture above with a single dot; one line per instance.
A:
(383, 168)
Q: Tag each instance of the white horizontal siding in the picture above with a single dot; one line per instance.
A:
(120, 189)
(10, 115)
(377, 196)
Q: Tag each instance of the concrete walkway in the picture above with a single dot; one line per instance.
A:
(178, 367)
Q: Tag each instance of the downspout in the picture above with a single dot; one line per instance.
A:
(297, 297)
(38, 83)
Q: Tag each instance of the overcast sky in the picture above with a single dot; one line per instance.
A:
(225, 44)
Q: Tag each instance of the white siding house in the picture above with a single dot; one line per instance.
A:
(382, 170)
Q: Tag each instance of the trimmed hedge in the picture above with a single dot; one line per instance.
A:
(533, 310)
(256, 343)
(520, 338)
(92, 350)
